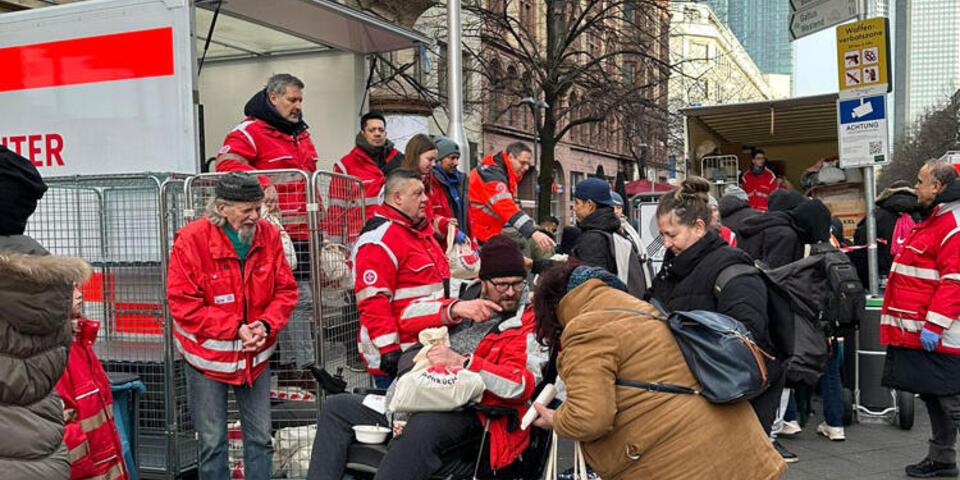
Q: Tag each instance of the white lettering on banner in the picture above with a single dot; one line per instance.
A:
(43, 150)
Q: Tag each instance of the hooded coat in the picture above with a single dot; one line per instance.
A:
(593, 246)
(777, 238)
(890, 205)
(734, 212)
(630, 433)
(36, 295)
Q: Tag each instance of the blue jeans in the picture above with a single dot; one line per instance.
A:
(207, 399)
(832, 387)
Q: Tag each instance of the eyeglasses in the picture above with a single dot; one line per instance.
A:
(502, 287)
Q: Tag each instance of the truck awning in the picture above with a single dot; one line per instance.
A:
(792, 120)
(253, 28)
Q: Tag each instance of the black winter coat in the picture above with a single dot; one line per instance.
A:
(771, 238)
(734, 212)
(686, 282)
(890, 204)
(593, 247)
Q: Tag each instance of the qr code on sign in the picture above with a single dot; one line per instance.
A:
(876, 148)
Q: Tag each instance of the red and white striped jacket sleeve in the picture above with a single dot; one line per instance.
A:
(945, 304)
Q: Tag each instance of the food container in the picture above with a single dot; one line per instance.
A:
(372, 434)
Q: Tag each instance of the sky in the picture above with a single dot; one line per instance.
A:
(815, 64)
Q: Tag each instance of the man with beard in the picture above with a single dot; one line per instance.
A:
(371, 160)
(919, 317)
(272, 137)
(503, 350)
(230, 293)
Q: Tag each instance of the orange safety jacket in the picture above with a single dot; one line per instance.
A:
(493, 188)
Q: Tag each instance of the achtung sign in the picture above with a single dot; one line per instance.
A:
(862, 54)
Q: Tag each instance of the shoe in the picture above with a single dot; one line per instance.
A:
(790, 429)
(833, 433)
(928, 468)
(568, 475)
(787, 455)
(332, 384)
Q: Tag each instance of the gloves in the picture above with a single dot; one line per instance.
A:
(389, 361)
(929, 340)
(461, 237)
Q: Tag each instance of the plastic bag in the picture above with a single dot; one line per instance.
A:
(464, 261)
(428, 388)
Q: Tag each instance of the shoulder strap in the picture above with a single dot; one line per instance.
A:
(658, 387)
(729, 273)
(637, 312)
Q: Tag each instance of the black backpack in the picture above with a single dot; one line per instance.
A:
(639, 275)
(846, 297)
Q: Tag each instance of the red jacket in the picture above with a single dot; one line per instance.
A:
(493, 187)
(255, 145)
(759, 187)
(511, 363)
(399, 272)
(91, 437)
(211, 293)
(923, 289)
(728, 235)
(344, 220)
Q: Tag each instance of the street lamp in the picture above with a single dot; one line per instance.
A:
(535, 105)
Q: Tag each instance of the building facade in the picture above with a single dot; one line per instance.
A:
(762, 26)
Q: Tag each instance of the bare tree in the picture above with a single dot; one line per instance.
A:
(933, 134)
(601, 65)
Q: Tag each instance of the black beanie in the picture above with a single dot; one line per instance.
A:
(812, 219)
(501, 257)
(783, 200)
(20, 188)
(239, 187)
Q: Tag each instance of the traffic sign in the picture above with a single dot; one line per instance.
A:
(862, 131)
(862, 59)
(810, 16)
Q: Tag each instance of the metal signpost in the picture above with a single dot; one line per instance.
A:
(811, 16)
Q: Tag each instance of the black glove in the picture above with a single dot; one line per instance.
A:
(389, 361)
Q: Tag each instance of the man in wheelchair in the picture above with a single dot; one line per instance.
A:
(503, 351)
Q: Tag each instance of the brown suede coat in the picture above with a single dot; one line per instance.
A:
(630, 433)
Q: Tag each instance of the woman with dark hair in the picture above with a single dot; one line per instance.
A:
(605, 334)
(420, 156)
(695, 257)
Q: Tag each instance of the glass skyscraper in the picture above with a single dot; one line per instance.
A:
(762, 26)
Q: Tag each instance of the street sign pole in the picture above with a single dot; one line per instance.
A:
(869, 191)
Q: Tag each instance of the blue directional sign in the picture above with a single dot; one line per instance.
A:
(862, 109)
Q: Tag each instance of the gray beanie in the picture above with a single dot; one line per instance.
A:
(445, 147)
(239, 187)
(736, 192)
(712, 201)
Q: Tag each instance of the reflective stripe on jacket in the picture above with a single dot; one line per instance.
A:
(759, 187)
(256, 145)
(91, 438)
(923, 288)
(493, 188)
(211, 293)
(344, 220)
(399, 276)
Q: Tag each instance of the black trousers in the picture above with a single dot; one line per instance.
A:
(944, 418)
(766, 404)
(414, 455)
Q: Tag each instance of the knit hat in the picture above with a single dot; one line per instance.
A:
(445, 147)
(583, 273)
(239, 187)
(712, 201)
(812, 219)
(736, 192)
(594, 189)
(617, 199)
(783, 200)
(20, 188)
(500, 257)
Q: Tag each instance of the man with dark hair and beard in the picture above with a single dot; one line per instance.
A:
(230, 293)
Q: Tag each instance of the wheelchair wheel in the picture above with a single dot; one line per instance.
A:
(847, 406)
(905, 410)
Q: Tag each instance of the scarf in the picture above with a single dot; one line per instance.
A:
(583, 273)
(259, 106)
(453, 183)
(377, 154)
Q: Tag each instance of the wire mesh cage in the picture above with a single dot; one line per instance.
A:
(115, 222)
(720, 171)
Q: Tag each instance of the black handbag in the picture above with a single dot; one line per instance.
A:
(720, 353)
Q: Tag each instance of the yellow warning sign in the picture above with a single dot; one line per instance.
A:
(862, 54)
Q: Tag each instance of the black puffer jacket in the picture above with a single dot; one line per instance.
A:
(593, 247)
(36, 292)
(734, 212)
(890, 204)
(686, 282)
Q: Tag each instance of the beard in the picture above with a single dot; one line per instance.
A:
(247, 232)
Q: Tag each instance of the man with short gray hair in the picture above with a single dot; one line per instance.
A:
(230, 292)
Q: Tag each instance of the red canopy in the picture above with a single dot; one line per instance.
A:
(647, 187)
